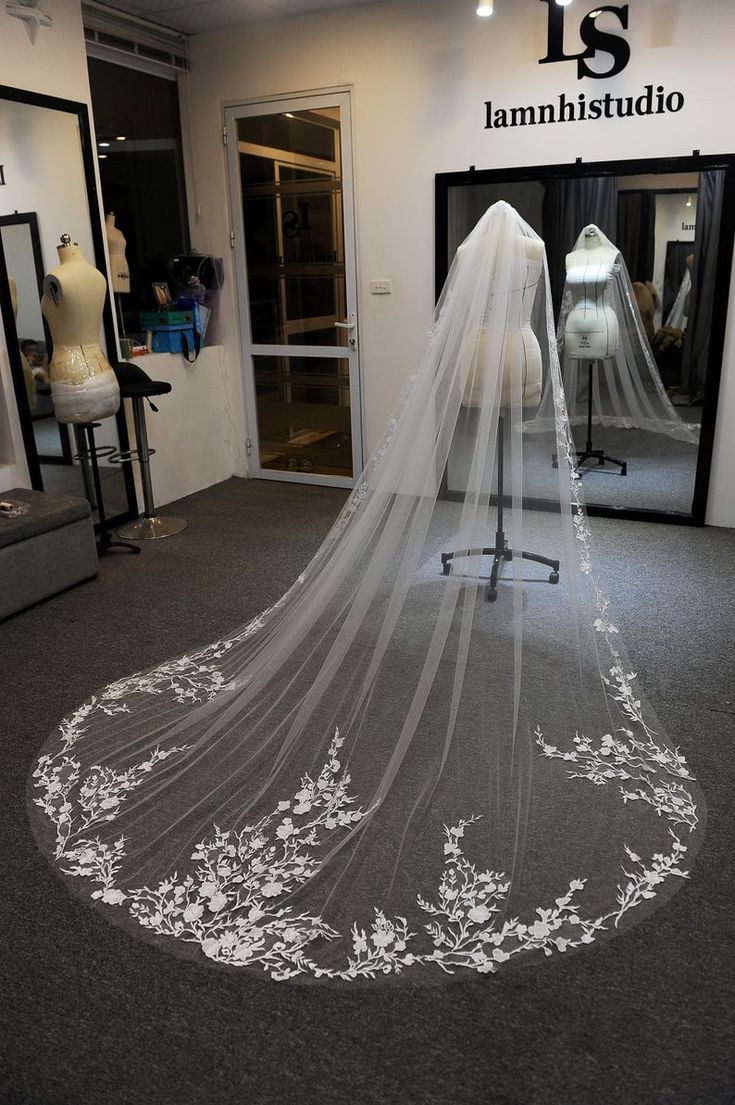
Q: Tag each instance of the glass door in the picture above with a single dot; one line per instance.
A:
(291, 191)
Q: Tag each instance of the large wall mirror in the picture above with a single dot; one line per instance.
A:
(49, 189)
(672, 223)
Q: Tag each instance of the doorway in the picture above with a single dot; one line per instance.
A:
(291, 189)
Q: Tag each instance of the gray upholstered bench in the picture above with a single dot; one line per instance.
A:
(50, 548)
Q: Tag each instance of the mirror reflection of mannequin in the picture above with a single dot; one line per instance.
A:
(83, 385)
(521, 354)
(116, 244)
(646, 298)
(37, 360)
(28, 377)
(591, 332)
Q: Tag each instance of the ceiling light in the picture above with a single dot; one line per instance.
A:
(289, 115)
(103, 143)
(101, 156)
(485, 8)
(564, 3)
(120, 137)
(689, 201)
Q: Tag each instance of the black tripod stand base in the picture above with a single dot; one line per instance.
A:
(499, 554)
(105, 546)
(602, 458)
(595, 454)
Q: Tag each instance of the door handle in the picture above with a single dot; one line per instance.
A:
(351, 328)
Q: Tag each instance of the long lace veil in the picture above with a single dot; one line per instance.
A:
(404, 767)
(627, 390)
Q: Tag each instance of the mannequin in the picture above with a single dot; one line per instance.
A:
(591, 332)
(83, 385)
(521, 365)
(116, 244)
(648, 302)
(27, 370)
(521, 351)
(609, 370)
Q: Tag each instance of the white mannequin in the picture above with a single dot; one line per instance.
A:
(119, 272)
(521, 350)
(591, 332)
(83, 386)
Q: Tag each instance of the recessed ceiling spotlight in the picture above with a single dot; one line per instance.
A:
(485, 8)
(689, 201)
(101, 156)
(289, 115)
(121, 137)
(103, 143)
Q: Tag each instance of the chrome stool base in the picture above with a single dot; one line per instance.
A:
(151, 529)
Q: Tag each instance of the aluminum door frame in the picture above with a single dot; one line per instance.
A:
(273, 105)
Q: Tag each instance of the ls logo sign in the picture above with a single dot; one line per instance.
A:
(593, 38)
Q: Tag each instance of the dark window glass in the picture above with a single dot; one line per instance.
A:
(136, 115)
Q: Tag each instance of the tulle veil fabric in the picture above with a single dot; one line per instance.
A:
(627, 390)
(386, 776)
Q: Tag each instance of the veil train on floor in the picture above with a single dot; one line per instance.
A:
(385, 774)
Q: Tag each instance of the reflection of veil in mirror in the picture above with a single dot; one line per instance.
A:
(627, 390)
(677, 316)
(385, 773)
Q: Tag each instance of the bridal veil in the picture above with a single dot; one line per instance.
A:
(403, 769)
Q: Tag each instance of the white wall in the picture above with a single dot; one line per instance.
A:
(55, 66)
(191, 431)
(420, 73)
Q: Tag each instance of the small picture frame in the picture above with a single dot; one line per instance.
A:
(162, 294)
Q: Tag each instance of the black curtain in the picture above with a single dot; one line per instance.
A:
(569, 206)
(636, 238)
(696, 345)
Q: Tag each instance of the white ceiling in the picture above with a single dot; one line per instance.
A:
(194, 16)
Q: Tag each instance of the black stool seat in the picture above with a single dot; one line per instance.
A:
(134, 383)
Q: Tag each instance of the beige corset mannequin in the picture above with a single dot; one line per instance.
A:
(591, 331)
(83, 385)
(521, 354)
(119, 272)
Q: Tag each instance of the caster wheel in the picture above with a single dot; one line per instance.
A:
(554, 577)
(624, 470)
(601, 461)
(446, 568)
(491, 596)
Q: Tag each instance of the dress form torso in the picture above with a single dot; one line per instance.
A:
(119, 272)
(591, 331)
(83, 386)
(521, 353)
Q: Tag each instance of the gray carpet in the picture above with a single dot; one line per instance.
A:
(90, 1016)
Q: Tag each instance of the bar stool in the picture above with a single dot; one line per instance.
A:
(136, 385)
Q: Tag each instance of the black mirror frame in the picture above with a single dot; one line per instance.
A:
(694, 163)
(71, 107)
(30, 219)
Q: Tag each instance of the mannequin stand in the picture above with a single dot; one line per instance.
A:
(90, 455)
(589, 452)
(500, 551)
